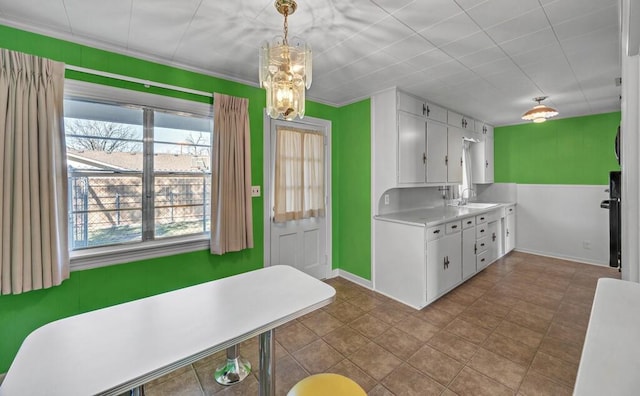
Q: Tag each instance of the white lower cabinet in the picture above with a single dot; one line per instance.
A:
(417, 265)
(444, 262)
(509, 229)
(468, 248)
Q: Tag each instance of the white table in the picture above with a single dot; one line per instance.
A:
(610, 362)
(115, 349)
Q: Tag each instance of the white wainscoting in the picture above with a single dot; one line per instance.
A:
(563, 221)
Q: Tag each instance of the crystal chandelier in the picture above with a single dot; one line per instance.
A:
(540, 112)
(285, 70)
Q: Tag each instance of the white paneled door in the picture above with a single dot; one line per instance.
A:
(303, 243)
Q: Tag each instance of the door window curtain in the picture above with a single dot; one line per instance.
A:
(231, 211)
(33, 174)
(299, 174)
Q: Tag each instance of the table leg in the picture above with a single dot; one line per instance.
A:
(267, 363)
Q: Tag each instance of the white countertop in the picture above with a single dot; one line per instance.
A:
(610, 362)
(114, 349)
(427, 217)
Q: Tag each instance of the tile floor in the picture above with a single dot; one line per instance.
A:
(516, 328)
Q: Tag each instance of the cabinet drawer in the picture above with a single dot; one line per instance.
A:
(435, 232)
(493, 216)
(482, 260)
(482, 244)
(481, 218)
(481, 231)
(453, 227)
(468, 223)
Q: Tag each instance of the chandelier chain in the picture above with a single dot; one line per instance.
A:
(286, 27)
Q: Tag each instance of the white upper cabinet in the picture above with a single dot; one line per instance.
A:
(460, 121)
(454, 155)
(436, 113)
(436, 160)
(412, 105)
(411, 148)
(482, 154)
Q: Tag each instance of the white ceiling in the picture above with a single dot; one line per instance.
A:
(484, 58)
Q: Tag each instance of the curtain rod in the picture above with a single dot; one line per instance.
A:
(146, 83)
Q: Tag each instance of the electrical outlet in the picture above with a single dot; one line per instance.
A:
(386, 199)
(255, 191)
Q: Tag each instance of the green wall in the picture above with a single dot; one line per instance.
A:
(92, 289)
(352, 189)
(577, 150)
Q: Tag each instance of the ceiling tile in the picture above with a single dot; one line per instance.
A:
(421, 14)
(502, 65)
(562, 10)
(392, 6)
(468, 45)
(551, 53)
(429, 59)
(601, 39)
(540, 39)
(493, 12)
(45, 14)
(466, 4)
(145, 31)
(587, 23)
(519, 26)
(408, 47)
(451, 29)
(485, 56)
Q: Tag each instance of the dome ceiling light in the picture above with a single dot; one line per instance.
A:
(540, 112)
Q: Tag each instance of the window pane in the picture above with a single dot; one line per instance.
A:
(105, 209)
(182, 146)
(104, 158)
(181, 205)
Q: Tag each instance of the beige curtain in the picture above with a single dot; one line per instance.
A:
(299, 175)
(231, 211)
(33, 174)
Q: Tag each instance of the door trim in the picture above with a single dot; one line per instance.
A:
(267, 164)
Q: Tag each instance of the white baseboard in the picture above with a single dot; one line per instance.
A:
(580, 260)
(354, 278)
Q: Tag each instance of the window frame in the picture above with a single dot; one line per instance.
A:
(128, 252)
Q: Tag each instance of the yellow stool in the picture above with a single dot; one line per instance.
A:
(326, 385)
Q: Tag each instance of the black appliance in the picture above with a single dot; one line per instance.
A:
(615, 226)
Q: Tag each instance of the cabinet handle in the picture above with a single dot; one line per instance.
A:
(428, 111)
(424, 109)
(475, 248)
(493, 237)
(436, 231)
(424, 158)
(469, 222)
(481, 230)
(446, 160)
(482, 218)
(454, 227)
(482, 244)
(484, 129)
(507, 232)
(460, 161)
(486, 163)
(482, 260)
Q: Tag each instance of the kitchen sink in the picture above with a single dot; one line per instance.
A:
(479, 205)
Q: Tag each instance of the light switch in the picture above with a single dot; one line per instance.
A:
(255, 191)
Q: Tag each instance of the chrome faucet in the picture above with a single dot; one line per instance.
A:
(464, 201)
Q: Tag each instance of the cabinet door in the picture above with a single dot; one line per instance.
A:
(411, 148)
(436, 113)
(510, 232)
(444, 265)
(454, 155)
(488, 158)
(494, 242)
(436, 152)
(468, 252)
(412, 105)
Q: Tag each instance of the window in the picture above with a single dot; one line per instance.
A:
(299, 175)
(136, 173)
